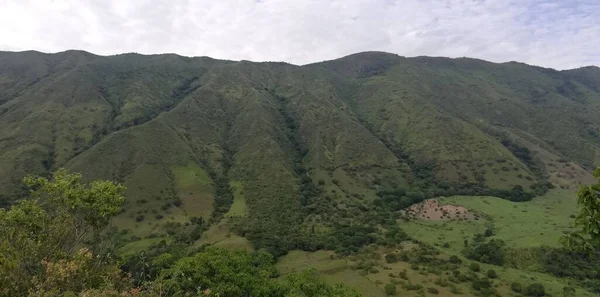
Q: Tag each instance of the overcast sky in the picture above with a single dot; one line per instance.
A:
(553, 33)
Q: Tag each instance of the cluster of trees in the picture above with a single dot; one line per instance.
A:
(397, 198)
(486, 251)
(523, 154)
(53, 244)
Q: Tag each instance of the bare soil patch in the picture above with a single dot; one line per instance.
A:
(431, 209)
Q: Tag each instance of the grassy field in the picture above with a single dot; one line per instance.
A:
(238, 207)
(194, 187)
(540, 221)
(141, 245)
(371, 283)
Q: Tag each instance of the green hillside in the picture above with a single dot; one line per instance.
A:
(310, 145)
(282, 157)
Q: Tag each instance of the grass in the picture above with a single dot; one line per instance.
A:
(333, 271)
(371, 284)
(140, 245)
(238, 207)
(194, 187)
(220, 235)
(540, 221)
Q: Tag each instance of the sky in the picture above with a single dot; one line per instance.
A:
(561, 34)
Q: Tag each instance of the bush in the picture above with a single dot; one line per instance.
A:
(140, 218)
(411, 287)
(568, 291)
(536, 290)
(474, 267)
(390, 289)
(455, 259)
(481, 284)
(391, 258)
(491, 273)
(433, 290)
(516, 287)
(488, 232)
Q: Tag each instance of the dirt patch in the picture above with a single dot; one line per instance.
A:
(431, 209)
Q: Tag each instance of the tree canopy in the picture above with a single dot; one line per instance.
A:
(587, 238)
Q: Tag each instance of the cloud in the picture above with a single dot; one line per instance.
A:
(552, 33)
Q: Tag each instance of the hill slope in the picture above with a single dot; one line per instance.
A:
(305, 150)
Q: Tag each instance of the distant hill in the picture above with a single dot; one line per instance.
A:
(298, 150)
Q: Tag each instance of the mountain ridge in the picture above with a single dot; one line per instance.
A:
(302, 150)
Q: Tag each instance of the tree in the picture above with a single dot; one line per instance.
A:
(588, 220)
(390, 289)
(536, 290)
(474, 267)
(491, 273)
(516, 287)
(455, 259)
(41, 237)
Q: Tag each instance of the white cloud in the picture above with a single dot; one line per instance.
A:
(553, 33)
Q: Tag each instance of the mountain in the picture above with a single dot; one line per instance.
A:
(286, 152)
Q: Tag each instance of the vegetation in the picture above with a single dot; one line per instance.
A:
(43, 239)
(52, 244)
(277, 159)
(587, 238)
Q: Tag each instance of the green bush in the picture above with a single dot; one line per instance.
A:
(516, 287)
(455, 259)
(491, 273)
(391, 258)
(433, 290)
(474, 267)
(536, 290)
(390, 289)
(480, 284)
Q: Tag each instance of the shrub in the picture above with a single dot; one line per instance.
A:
(411, 287)
(488, 232)
(455, 259)
(516, 287)
(568, 291)
(474, 267)
(433, 290)
(139, 218)
(536, 290)
(390, 289)
(391, 258)
(480, 284)
(491, 273)
(454, 289)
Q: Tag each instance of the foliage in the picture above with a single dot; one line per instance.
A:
(491, 273)
(308, 283)
(588, 237)
(390, 289)
(220, 272)
(486, 251)
(535, 289)
(516, 287)
(42, 238)
(474, 267)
